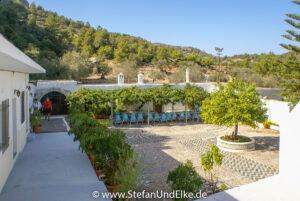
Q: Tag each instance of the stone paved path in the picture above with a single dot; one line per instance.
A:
(198, 139)
(54, 125)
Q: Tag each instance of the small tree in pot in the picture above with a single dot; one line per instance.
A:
(35, 121)
(238, 102)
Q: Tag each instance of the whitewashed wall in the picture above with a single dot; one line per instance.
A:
(9, 81)
(278, 111)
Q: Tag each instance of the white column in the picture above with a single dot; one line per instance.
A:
(120, 79)
(140, 78)
(187, 75)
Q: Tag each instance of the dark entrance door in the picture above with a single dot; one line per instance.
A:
(59, 104)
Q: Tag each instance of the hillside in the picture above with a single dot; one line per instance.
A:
(52, 40)
(70, 49)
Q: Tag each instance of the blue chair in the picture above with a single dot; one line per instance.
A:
(195, 116)
(181, 116)
(156, 117)
(163, 117)
(169, 117)
(118, 119)
(125, 117)
(197, 109)
(150, 117)
(140, 118)
(174, 116)
(132, 118)
(188, 115)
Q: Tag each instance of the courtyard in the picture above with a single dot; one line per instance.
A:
(164, 146)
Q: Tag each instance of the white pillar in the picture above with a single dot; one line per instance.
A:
(187, 75)
(120, 79)
(140, 78)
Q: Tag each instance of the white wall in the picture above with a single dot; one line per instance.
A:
(9, 81)
(278, 111)
(289, 164)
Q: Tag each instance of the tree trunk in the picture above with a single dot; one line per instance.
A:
(236, 128)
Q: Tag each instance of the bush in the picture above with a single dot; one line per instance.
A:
(249, 76)
(268, 124)
(184, 178)
(215, 77)
(157, 75)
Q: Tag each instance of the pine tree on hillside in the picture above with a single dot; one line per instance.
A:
(291, 72)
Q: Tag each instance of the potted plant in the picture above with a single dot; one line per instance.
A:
(128, 173)
(267, 124)
(35, 121)
(237, 102)
(184, 178)
(115, 151)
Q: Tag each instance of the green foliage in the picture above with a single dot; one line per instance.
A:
(196, 72)
(79, 66)
(269, 123)
(35, 118)
(130, 69)
(50, 34)
(194, 95)
(209, 161)
(267, 64)
(223, 187)
(215, 77)
(157, 75)
(184, 178)
(234, 103)
(250, 76)
(129, 173)
(292, 35)
(90, 100)
(103, 70)
(107, 146)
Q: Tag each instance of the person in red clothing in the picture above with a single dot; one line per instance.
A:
(47, 107)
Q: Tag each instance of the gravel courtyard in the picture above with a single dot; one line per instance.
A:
(165, 146)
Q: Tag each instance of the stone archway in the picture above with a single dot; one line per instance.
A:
(59, 104)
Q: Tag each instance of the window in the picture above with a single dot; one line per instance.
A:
(4, 125)
(22, 107)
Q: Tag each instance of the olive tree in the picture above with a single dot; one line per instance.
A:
(238, 102)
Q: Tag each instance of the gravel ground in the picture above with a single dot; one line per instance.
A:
(165, 146)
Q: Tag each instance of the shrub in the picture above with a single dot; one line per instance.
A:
(209, 161)
(268, 124)
(184, 178)
(215, 77)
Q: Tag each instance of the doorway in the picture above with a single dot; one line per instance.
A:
(59, 104)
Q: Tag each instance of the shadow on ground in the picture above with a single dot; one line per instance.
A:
(267, 143)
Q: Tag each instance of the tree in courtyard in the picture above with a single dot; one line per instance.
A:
(291, 72)
(238, 102)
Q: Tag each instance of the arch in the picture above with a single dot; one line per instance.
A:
(40, 93)
(59, 104)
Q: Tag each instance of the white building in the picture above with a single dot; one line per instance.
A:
(15, 96)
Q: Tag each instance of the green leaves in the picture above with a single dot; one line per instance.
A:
(184, 178)
(91, 99)
(234, 103)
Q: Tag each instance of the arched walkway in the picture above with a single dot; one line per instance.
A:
(59, 104)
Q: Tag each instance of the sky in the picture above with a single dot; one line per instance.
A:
(238, 26)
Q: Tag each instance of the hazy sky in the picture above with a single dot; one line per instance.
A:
(239, 26)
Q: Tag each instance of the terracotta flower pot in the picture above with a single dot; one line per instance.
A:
(114, 188)
(104, 116)
(98, 173)
(37, 129)
(266, 126)
(96, 116)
